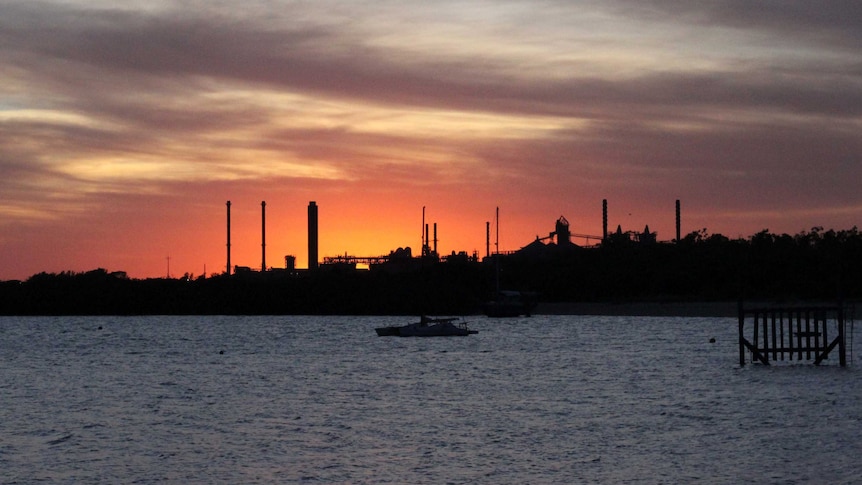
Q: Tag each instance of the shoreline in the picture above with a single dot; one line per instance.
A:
(641, 309)
(707, 309)
(694, 309)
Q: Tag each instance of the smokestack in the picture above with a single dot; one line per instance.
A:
(228, 238)
(426, 249)
(488, 239)
(263, 235)
(604, 219)
(435, 238)
(312, 235)
(497, 242)
(677, 221)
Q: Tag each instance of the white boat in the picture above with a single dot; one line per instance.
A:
(428, 327)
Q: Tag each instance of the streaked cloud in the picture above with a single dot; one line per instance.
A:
(748, 111)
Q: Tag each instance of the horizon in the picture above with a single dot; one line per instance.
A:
(594, 240)
(125, 129)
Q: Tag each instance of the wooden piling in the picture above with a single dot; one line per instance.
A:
(741, 339)
(777, 331)
(774, 339)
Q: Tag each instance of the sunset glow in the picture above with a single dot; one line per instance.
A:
(124, 130)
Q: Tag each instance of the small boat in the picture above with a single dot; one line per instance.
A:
(428, 327)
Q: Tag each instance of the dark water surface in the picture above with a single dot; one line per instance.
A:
(547, 399)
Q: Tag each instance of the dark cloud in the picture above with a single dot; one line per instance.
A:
(109, 53)
(836, 23)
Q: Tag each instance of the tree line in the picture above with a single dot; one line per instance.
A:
(812, 265)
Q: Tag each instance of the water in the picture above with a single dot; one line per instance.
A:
(549, 399)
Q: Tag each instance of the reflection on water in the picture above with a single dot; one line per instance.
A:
(547, 399)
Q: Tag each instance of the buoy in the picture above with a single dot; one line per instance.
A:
(712, 340)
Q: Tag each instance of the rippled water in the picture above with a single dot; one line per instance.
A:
(549, 399)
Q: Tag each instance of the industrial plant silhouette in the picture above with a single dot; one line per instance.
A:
(618, 266)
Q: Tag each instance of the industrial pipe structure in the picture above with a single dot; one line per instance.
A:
(426, 249)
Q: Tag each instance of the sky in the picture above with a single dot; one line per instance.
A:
(124, 129)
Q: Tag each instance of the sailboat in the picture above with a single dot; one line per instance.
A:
(506, 303)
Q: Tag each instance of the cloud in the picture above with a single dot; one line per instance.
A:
(742, 105)
(833, 23)
(160, 70)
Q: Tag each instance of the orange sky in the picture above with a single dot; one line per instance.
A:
(123, 130)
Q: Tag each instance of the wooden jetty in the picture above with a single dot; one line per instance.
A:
(796, 332)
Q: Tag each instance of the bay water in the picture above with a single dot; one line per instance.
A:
(313, 399)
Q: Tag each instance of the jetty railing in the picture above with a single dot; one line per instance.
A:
(800, 333)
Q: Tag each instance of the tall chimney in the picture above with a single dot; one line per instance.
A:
(677, 222)
(435, 238)
(487, 239)
(604, 219)
(228, 238)
(263, 235)
(497, 242)
(312, 235)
